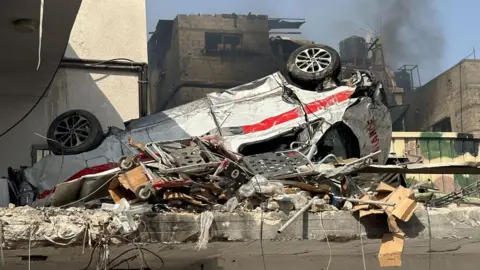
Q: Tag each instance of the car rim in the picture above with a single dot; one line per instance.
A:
(144, 193)
(72, 131)
(126, 163)
(313, 60)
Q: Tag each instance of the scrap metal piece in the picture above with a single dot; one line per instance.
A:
(456, 196)
(188, 156)
(272, 165)
(326, 171)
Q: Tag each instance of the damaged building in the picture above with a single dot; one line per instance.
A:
(448, 103)
(284, 169)
(193, 55)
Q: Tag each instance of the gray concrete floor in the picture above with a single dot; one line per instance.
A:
(448, 254)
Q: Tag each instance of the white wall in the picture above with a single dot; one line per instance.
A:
(104, 29)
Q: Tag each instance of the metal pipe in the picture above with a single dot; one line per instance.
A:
(135, 69)
(115, 61)
(119, 64)
(299, 212)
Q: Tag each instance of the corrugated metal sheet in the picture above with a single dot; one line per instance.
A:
(438, 147)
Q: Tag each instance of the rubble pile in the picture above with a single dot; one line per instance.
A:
(24, 227)
(198, 175)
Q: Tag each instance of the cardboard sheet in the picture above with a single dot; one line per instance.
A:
(133, 178)
(124, 185)
(361, 206)
(404, 209)
(390, 254)
(396, 197)
(117, 191)
(382, 187)
(392, 224)
(370, 212)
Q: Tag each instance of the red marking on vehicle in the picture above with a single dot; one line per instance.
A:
(373, 135)
(268, 123)
(293, 114)
(86, 171)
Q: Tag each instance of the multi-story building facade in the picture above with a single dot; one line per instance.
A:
(193, 55)
(449, 102)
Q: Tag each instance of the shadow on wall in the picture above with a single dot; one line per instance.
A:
(100, 92)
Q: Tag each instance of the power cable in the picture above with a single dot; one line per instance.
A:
(61, 165)
(31, 109)
(328, 242)
(361, 243)
(50, 84)
(46, 88)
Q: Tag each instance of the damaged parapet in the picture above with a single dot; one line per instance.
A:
(24, 227)
(237, 226)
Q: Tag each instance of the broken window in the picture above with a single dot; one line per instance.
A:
(218, 42)
(39, 151)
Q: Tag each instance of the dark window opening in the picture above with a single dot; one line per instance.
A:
(220, 42)
(443, 125)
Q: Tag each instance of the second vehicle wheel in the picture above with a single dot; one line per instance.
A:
(126, 163)
(310, 64)
(143, 192)
(74, 132)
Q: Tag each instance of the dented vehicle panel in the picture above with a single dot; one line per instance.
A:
(249, 114)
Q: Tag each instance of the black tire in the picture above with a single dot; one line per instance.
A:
(126, 163)
(143, 192)
(88, 133)
(311, 77)
(340, 141)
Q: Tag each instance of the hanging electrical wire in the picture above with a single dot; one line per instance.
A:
(40, 32)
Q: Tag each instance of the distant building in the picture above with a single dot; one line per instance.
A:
(358, 53)
(450, 102)
(193, 55)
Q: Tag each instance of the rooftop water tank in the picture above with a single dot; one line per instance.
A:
(403, 80)
(354, 50)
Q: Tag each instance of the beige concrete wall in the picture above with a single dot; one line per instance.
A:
(188, 62)
(455, 94)
(109, 29)
(104, 29)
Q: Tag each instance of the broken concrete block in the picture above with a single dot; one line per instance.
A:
(320, 205)
(231, 204)
(286, 206)
(251, 203)
(273, 205)
(299, 199)
(347, 206)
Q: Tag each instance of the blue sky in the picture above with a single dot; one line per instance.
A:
(457, 21)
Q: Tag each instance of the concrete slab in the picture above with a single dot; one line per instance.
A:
(338, 225)
(234, 242)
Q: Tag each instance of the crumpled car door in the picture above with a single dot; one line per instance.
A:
(254, 112)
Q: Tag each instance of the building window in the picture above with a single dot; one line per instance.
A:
(221, 42)
(443, 125)
(39, 151)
